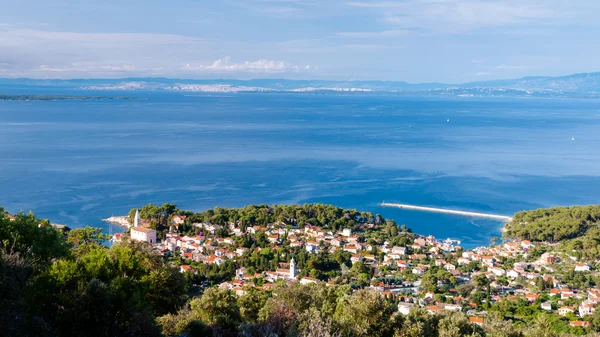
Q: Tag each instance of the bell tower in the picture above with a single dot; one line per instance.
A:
(136, 219)
(292, 269)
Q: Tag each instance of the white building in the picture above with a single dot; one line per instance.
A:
(565, 310)
(143, 234)
(136, 218)
(586, 308)
(399, 250)
(497, 271)
(582, 267)
(293, 269)
(308, 280)
(404, 308)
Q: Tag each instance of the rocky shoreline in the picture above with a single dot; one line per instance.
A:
(118, 220)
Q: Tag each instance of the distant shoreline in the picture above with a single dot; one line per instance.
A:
(122, 221)
(57, 97)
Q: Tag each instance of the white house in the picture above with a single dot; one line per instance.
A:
(586, 308)
(547, 306)
(497, 271)
(463, 260)
(178, 219)
(399, 250)
(308, 280)
(404, 308)
(451, 307)
(565, 310)
(311, 246)
(582, 267)
(184, 268)
(449, 267)
(143, 234)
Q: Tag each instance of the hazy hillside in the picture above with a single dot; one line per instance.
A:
(578, 85)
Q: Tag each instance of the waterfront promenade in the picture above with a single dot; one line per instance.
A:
(449, 211)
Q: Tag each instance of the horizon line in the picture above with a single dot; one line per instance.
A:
(286, 79)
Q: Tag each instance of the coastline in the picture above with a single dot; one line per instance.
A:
(122, 221)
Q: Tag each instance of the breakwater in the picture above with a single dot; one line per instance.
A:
(449, 211)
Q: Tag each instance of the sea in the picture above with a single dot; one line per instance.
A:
(77, 162)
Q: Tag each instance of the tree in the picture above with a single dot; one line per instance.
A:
(541, 285)
(465, 290)
(85, 238)
(15, 273)
(184, 323)
(166, 289)
(364, 313)
(429, 281)
(34, 240)
(116, 290)
(480, 281)
(456, 324)
(251, 302)
(218, 308)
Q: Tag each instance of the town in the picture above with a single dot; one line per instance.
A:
(516, 278)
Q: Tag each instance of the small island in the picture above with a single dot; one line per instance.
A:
(299, 270)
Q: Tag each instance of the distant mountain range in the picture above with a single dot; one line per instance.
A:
(586, 85)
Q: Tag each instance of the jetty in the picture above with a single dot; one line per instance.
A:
(503, 218)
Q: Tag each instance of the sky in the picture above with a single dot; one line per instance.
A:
(417, 41)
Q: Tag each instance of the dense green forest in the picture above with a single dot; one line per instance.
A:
(55, 283)
(554, 224)
(326, 216)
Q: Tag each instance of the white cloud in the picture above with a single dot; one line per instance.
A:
(85, 67)
(483, 73)
(52, 54)
(447, 16)
(381, 34)
(511, 67)
(267, 66)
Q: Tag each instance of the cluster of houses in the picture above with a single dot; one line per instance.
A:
(509, 283)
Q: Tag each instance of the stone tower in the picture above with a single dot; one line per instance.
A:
(136, 219)
(292, 269)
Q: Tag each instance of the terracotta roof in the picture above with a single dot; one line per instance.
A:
(142, 229)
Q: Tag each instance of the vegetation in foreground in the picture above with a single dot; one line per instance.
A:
(67, 283)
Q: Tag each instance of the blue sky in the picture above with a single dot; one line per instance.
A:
(408, 40)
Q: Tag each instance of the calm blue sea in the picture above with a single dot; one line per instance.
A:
(77, 162)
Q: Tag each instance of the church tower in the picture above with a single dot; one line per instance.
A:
(136, 219)
(292, 269)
